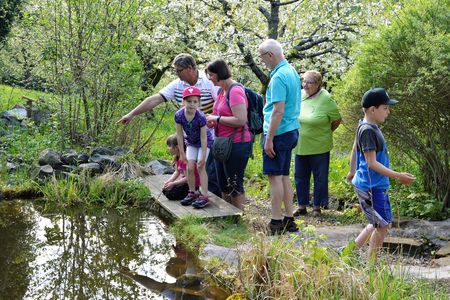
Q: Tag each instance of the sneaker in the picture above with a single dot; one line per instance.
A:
(289, 225)
(201, 202)
(189, 199)
(300, 212)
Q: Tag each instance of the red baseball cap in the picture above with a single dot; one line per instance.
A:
(191, 91)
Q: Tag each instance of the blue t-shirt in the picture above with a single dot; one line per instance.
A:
(284, 86)
(192, 128)
(370, 138)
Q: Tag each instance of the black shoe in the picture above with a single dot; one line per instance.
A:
(300, 212)
(277, 229)
(289, 225)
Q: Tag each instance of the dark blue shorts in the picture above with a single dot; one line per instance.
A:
(376, 206)
(230, 174)
(283, 145)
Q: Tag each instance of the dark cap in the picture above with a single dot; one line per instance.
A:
(375, 97)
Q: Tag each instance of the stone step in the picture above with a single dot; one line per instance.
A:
(403, 245)
(444, 251)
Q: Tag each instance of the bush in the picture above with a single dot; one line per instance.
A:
(410, 58)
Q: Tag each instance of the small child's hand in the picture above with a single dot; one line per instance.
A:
(200, 163)
(350, 176)
(183, 158)
(406, 178)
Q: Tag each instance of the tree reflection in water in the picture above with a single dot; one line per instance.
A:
(84, 254)
(16, 248)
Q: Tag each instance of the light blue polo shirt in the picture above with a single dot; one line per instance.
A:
(284, 86)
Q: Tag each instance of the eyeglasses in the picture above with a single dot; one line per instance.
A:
(309, 82)
(179, 70)
(261, 55)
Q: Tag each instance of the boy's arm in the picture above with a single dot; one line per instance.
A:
(352, 171)
(373, 164)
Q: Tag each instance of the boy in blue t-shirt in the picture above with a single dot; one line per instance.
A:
(369, 170)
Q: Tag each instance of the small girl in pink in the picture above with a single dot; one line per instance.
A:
(176, 187)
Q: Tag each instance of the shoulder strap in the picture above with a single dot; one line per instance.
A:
(229, 91)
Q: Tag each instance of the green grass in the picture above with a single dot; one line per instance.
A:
(10, 96)
(106, 190)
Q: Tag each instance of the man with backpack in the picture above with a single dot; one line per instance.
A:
(281, 125)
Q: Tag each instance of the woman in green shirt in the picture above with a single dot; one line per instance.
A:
(319, 117)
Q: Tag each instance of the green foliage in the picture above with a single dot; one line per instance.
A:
(9, 10)
(410, 58)
(229, 233)
(191, 232)
(106, 190)
(296, 268)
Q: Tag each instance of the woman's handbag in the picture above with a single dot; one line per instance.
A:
(221, 148)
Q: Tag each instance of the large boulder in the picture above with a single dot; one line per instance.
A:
(50, 157)
(160, 167)
(105, 161)
(90, 168)
(69, 157)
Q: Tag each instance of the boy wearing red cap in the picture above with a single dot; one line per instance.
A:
(369, 170)
(191, 130)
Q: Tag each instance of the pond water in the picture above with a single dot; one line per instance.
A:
(100, 254)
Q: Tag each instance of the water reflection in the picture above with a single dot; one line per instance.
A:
(99, 254)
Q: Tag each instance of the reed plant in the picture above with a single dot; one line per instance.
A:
(107, 190)
(295, 267)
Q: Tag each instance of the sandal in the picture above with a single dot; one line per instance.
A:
(316, 212)
(301, 211)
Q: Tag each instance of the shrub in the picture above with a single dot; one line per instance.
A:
(410, 58)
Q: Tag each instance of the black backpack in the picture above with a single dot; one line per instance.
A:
(255, 117)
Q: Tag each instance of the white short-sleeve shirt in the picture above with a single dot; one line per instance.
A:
(174, 91)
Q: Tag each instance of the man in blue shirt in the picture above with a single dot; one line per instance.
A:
(281, 125)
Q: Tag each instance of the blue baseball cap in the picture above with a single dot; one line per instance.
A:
(375, 97)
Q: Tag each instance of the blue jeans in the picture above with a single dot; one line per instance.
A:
(213, 184)
(318, 165)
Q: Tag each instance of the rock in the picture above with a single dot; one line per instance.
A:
(19, 112)
(83, 158)
(444, 251)
(105, 161)
(227, 255)
(67, 168)
(404, 245)
(423, 272)
(441, 262)
(44, 171)
(160, 167)
(90, 168)
(10, 167)
(102, 151)
(50, 157)
(120, 151)
(69, 157)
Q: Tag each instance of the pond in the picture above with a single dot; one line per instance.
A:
(95, 254)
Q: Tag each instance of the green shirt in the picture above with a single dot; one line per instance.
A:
(316, 116)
